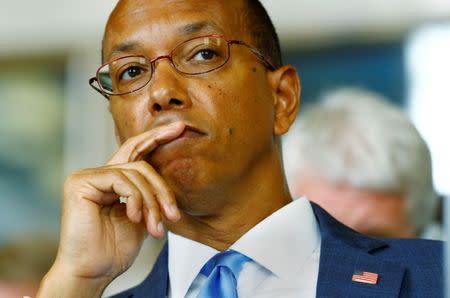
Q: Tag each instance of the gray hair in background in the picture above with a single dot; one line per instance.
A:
(355, 137)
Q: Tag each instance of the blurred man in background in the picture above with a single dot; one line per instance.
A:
(362, 159)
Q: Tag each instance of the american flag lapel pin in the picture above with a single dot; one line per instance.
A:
(365, 277)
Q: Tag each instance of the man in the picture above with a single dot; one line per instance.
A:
(199, 128)
(362, 159)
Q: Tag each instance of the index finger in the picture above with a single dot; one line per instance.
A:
(136, 147)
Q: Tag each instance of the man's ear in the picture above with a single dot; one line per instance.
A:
(285, 84)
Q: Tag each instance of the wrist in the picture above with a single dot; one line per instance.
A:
(59, 283)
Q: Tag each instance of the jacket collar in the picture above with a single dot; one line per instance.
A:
(333, 230)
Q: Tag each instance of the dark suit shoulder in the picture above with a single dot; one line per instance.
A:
(423, 260)
(413, 251)
(421, 257)
(405, 267)
(155, 284)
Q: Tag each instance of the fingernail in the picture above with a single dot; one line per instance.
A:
(135, 155)
(172, 212)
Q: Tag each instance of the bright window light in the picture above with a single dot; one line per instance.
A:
(428, 70)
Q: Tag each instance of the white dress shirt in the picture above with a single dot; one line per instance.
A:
(285, 253)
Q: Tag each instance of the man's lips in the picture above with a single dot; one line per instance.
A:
(191, 132)
(188, 136)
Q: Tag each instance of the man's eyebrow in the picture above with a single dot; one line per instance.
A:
(198, 26)
(124, 47)
(188, 29)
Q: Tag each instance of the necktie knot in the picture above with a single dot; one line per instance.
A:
(222, 271)
(230, 259)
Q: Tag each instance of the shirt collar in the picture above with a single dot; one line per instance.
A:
(186, 259)
(288, 236)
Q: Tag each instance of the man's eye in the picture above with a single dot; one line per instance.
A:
(205, 55)
(130, 73)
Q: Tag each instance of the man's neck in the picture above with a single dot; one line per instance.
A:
(222, 232)
(259, 194)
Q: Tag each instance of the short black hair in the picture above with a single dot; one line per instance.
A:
(263, 31)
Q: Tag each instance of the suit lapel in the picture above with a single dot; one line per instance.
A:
(344, 251)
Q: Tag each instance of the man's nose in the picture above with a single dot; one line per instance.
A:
(167, 89)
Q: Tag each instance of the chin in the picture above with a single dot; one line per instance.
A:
(184, 176)
(193, 180)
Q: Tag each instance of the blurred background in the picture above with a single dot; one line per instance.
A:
(52, 123)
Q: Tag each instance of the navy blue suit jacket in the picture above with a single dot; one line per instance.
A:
(405, 267)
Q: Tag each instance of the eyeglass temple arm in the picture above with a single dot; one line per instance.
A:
(91, 83)
(256, 52)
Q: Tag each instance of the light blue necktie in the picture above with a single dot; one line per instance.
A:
(222, 271)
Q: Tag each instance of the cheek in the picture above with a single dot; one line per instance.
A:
(245, 123)
(128, 119)
(243, 104)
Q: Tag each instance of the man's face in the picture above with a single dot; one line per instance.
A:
(232, 107)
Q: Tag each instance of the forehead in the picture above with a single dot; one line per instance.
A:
(159, 24)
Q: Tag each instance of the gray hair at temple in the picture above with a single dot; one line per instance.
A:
(356, 137)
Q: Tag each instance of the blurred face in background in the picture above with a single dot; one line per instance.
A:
(373, 213)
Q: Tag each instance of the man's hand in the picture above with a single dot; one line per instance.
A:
(101, 237)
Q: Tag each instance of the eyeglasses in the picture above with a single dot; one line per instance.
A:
(195, 56)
